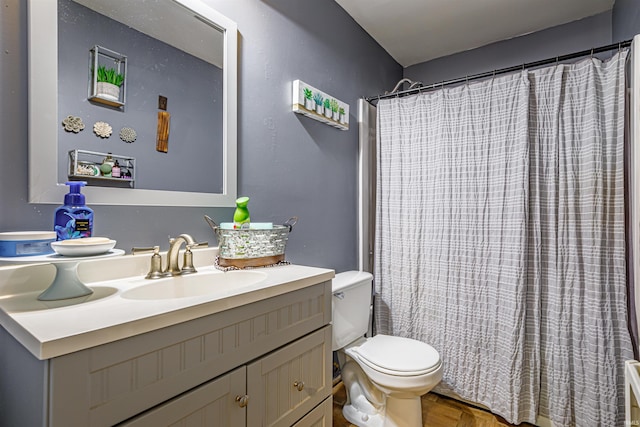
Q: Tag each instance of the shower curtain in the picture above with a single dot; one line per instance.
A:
(500, 238)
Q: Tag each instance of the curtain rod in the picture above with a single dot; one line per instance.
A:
(534, 64)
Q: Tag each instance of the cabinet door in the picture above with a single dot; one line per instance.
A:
(218, 403)
(288, 383)
(321, 416)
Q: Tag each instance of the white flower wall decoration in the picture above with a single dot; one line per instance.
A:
(102, 129)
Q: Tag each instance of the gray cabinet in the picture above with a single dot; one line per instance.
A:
(275, 390)
(197, 372)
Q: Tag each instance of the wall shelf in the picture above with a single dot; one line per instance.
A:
(114, 96)
(336, 114)
(85, 166)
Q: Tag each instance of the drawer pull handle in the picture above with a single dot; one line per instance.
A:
(242, 400)
(299, 385)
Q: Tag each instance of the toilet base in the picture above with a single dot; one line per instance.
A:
(365, 403)
(360, 418)
(368, 406)
(398, 413)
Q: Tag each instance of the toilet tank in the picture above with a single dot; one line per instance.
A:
(350, 305)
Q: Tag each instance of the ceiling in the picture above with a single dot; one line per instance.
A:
(203, 40)
(415, 31)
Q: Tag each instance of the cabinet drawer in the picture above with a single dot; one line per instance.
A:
(321, 416)
(286, 384)
(210, 405)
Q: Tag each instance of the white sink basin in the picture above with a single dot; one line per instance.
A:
(198, 284)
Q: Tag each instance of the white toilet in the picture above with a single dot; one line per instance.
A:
(384, 376)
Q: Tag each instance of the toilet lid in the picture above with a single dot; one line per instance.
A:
(398, 355)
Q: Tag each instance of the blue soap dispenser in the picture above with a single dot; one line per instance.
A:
(74, 219)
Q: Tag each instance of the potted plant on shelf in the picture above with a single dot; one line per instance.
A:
(108, 82)
(308, 98)
(318, 98)
(327, 108)
(343, 118)
(334, 110)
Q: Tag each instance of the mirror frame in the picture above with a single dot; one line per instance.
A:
(44, 120)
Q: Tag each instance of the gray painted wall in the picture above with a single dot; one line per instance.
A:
(575, 36)
(626, 19)
(288, 164)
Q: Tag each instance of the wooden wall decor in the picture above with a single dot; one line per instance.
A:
(162, 141)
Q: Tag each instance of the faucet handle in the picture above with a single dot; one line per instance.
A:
(187, 264)
(155, 270)
(198, 245)
(144, 250)
(187, 261)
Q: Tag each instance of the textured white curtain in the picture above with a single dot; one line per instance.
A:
(577, 262)
(500, 238)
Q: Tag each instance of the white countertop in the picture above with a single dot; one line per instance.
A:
(51, 329)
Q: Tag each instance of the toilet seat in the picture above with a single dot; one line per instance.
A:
(398, 356)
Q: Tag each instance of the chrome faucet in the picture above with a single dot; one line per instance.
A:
(173, 269)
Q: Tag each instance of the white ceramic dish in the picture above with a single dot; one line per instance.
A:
(69, 249)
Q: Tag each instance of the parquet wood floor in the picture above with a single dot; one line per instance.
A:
(437, 411)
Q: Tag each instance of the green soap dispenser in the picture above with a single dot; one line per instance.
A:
(241, 215)
(74, 219)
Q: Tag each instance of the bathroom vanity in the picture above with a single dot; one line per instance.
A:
(258, 354)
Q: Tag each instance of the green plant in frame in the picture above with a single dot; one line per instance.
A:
(109, 75)
(327, 104)
(334, 105)
(341, 110)
(308, 94)
(318, 98)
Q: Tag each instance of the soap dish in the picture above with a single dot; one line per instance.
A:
(89, 246)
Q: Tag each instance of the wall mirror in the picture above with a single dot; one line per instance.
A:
(199, 168)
